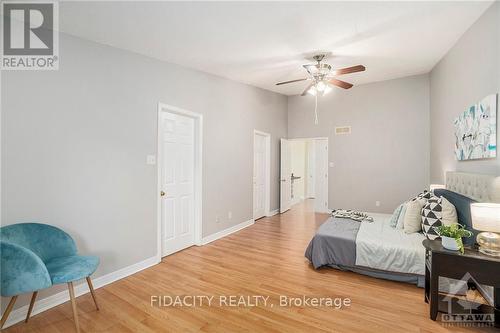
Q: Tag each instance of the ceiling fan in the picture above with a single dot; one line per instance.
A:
(322, 79)
(322, 76)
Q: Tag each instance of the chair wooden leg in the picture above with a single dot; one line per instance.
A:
(73, 305)
(8, 310)
(32, 303)
(91, 287)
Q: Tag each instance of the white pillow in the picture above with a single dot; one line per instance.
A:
(401, 218)
(449, 213)
(413, 216)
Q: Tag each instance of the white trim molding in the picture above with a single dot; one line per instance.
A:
(273, 212)
(44, 304)
(226, 232)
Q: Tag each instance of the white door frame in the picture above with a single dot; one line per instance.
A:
(198, 160)
(267, 205)
(285, 149)
(327, 156)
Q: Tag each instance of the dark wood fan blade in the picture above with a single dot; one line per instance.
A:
(291, 81)
(308, 87)
(349, 70)
(341, 84)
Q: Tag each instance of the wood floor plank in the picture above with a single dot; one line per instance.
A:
(264, 259)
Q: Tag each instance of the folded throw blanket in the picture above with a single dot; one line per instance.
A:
(351, 214)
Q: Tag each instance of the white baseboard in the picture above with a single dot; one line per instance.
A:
(80, 289)
(226, 232)
(273, 212)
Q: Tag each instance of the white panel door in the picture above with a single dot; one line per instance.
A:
(259, 176)
(321, 175)
(311, 169)
(285, 176)
(177, 174)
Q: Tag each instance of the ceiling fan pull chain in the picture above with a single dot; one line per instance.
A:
(316, 109)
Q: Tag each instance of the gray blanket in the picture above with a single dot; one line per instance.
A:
(334, 243)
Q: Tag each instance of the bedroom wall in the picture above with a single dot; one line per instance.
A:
(74, 146)
(386, 158)
(468, 72)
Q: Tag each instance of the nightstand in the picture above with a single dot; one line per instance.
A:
(473, 265)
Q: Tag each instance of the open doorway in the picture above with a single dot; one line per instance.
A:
(304, 173)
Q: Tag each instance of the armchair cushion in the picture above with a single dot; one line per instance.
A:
(21, 270)
(71, 268)
(35, 256)
(44, 240)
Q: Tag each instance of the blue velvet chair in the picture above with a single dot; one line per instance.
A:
(36, 256)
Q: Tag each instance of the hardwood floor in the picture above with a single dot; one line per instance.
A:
(264, 259)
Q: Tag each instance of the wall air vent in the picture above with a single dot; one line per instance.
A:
(342, 130)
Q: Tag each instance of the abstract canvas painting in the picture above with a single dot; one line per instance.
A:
(476, 131)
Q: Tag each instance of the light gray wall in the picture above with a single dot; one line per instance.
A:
(386, 158)
(469, 72)
(74, 146)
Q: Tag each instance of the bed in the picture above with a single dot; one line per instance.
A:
(379, 250)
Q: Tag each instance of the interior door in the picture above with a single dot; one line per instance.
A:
(321, 175)
(177, 175)
(259, 176)
(285, 176)
(311, 169)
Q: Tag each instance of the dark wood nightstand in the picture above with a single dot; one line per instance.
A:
(482, 269)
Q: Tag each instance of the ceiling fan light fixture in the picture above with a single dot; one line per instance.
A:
(322, 79)
(320, 86)
(328, 88)
(312, 91)
(311, 69)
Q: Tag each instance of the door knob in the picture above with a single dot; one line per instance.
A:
(162, 193)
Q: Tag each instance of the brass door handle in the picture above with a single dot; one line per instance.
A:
(162, 193)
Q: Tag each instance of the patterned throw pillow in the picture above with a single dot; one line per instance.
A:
(431, 217)
(426, 195)
(436, 212)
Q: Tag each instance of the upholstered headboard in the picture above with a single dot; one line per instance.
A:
(462, 189)
(482, 188)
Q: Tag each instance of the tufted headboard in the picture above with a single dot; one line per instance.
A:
(462, 189)
(482, 188)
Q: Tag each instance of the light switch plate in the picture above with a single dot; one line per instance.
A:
(151, 160)
(331, 164)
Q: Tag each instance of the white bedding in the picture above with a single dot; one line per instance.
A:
(382, 247)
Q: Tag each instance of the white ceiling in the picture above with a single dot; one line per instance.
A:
(261, 43)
